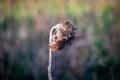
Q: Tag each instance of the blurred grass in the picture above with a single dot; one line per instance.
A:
(24, 35)
(21, 9)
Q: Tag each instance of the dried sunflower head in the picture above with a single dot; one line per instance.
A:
(62, 35)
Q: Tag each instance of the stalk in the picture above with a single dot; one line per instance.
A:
(50, 65)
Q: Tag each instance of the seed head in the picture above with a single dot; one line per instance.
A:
(62, 35)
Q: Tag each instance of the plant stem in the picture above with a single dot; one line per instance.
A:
(50, 65)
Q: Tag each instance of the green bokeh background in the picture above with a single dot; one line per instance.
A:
(24, 36)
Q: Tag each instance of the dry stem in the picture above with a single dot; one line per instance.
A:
(50, 65)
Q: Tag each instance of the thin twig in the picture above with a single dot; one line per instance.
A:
(49, 65)
(50, 58)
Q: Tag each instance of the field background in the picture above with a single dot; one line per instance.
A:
(24, 36)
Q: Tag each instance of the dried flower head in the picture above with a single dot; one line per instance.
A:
(62, 35)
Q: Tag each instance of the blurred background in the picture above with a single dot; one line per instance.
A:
(24, 36)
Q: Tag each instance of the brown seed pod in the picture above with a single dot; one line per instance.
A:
(62, 35)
